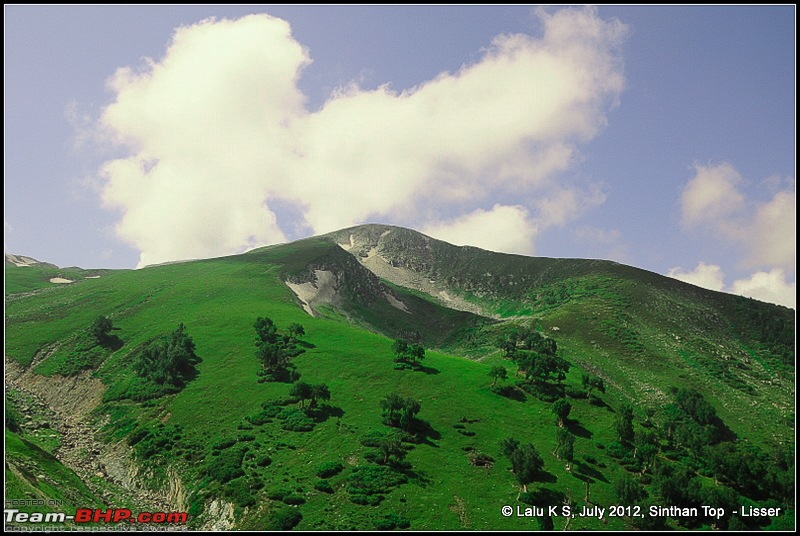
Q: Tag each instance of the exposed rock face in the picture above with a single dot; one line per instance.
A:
(69, 401)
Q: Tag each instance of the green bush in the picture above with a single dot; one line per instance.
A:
(137, 436)
(238, 492)
(323, 486)
(226, 466)
(293, 499)
(264, 416)
(283, 518)
(373, 480)
(392, 521)
(576, 392)
(169, 360)
(158, 440)
(366, 500)
(618, 450)
(263, 460)
(224, 444)
(278, 494)
(329, 469)
(295, 420)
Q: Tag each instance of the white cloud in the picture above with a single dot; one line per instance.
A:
(772, 233)
(764, 232)
(712, 196)
(217, 128)
(567, 204)
(603, 244)
(506, 229)
(771, 287)
(708, 276)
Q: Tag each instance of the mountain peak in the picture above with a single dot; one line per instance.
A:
(23, 262)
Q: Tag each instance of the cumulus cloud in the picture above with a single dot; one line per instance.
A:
(769, 287)
(772, 286)
(504, 228)
(217, 129)
(765, 232)
(712, 196)
(708, 276)
(604, 244)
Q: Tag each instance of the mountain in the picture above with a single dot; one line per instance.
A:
(628, 316)
(28, 274)
(708, 378)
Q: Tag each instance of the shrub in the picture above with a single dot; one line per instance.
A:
(295, 420)
(329, 469)
(366, 500)
(618, 450)
(576, 392)
(224, 444)
(482, 460)
(226, 466)
(278, 494)
(284, 518)
(239, 493)
(263, 460)
(170, 360)
(323, 486)
(372, 480)
(392, 521)
(293, 499)
(137, 436)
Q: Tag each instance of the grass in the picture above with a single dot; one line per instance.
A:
(33, 474)
(639, 351)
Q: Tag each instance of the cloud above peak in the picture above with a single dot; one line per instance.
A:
(217, 130)
(713, 204)
(770, 287)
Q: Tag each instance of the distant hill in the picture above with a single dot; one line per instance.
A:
(708, 378)
(29, 274)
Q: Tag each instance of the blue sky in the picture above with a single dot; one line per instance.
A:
(661, 137)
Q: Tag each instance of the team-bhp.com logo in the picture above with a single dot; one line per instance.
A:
(95, 515)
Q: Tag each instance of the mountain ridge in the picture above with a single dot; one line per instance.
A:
(227, 443)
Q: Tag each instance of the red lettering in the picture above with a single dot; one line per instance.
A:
(83, 515)
(106, 516)
(121, 515)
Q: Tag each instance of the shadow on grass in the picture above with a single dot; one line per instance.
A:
(322, 413)
(544, 497)
(428, 370)
(546, 392)
(596, 401)
(111, 342)
(545, 476)
(577, 429)
(510, 391)
(420, 478)
(588, 471)
(423, 433)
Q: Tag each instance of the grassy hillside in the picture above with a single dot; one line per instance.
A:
(42, 484)
(24, 277)
(640, 331)
(225, 433)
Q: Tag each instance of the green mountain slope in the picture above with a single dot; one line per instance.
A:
(237, 452)
(638, 330)
(26, 274)
(39, 482)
